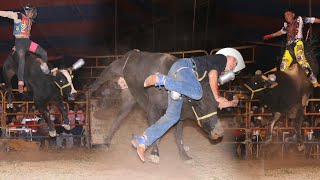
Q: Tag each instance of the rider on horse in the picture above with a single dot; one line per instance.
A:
(21, 31)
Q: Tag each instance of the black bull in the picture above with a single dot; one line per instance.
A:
(135, 67)
(43, 86)
(287, 96)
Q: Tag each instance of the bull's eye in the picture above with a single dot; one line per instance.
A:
(255, 83)
(61, 81)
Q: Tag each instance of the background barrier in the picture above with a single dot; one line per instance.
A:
(244, 112)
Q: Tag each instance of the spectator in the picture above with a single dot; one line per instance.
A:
(63, 134)
(3, 87)
(76, 115)
(54, 113)
(20, 114)
(77, 131)
(316, 132)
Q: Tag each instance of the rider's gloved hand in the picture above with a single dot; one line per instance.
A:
(220, 99)
(269, 36)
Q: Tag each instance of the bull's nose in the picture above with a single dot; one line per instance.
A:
(71, 97)
(216, 135)
(217, 132)
(73, 91)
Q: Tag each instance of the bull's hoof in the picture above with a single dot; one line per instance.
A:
(301, 147)
(190, 161)
(108, 145)
(185, 157)
(154, 159)
(53, 133)
(66, 126)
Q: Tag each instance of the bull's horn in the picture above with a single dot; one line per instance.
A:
(78, 64)
(54, 71)
(272, 70)
(264, 77)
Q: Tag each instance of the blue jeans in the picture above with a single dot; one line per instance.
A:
(67, 137)
(182, 79)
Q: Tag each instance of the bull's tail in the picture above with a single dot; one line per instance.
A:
(114, 70)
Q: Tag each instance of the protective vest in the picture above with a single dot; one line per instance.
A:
(294, 29)
(23, 28)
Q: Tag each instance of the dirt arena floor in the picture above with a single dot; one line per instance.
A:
(210, 162)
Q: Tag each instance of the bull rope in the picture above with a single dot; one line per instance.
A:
(125, 63)
(204, 75)
(202, 117)
(62, 87)
(254, 91)
(194, 111)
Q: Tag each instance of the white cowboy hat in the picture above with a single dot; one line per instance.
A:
(236, 54)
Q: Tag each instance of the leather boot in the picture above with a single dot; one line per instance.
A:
(140, 151)
(150, 81)
(139, 142)
(154, 80)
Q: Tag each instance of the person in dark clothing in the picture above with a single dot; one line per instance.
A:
(77, 131)
(182, 80)
(59, 129)
(21, 31)
(316, 132)
(63, 134)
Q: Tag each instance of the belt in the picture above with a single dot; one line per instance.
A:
(294, 41)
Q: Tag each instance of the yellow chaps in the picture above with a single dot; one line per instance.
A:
(301, 59)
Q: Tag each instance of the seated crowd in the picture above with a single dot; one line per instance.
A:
(24, 121)
(283, 133)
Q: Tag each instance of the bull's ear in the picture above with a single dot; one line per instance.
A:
(54, 71)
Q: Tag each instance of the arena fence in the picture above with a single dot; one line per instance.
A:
(254, 135)
(95, 64)
(245, 111)
(30, 123)
(245, 107)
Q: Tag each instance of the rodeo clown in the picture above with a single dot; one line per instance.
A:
(293, 27)
(21, 31)
(182, 80)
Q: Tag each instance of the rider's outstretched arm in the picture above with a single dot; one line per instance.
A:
(269, 36)
(11, 15)
(316, 20)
